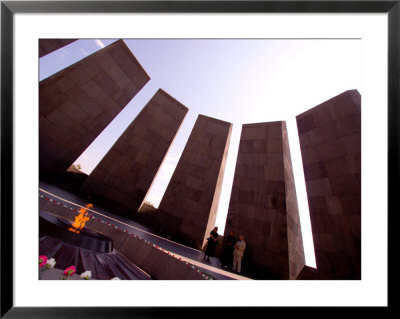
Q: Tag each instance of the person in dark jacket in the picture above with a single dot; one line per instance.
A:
(227, 256)
(212, 243)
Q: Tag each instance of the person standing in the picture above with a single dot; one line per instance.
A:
(212, 243)
(228, 250)
(240, 246)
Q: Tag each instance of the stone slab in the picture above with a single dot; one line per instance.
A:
(72, 108)
(187, 211)
(47, 46)
(124, 176)
(263, 204)
(330, 142)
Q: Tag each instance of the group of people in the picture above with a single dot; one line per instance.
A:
(233, 250)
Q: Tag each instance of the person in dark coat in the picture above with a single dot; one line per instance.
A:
(212, 243)
(227, 256)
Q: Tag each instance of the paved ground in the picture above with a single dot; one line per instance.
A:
(189, 254)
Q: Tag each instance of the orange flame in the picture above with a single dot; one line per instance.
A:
(80, 220)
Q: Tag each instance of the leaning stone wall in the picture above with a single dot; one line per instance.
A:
(47, 46)
(330, 141)
(263, 202)
(124, 176)
(295, 239)
(188, 209)
(77, 103)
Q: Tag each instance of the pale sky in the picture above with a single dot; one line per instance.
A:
(235, 80)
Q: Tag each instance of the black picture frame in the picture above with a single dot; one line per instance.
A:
(9, 8)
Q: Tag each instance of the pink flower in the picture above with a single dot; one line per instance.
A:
(42, 260)
(69, 271)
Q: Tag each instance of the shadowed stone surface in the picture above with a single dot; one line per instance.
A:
(188, 209)
(308, 273)
(123, 177)
(47, 46)
(263, 204)
(295, 240)
(330, 141)
(77, 103)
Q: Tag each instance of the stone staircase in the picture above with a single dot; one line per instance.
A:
(103, 266)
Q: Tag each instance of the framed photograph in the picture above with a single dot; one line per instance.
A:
(373, 25)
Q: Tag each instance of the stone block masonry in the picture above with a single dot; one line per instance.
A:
(295, 240)
(124, 176)
(77, 103)
(330, 142)
(188, 209)
(263, 204)
(47, 46)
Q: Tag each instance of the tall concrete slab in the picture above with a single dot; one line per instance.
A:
(263, 204)
(188, 209)
(330, 141)
(124, 176)
(77, 103)
(47, 46)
